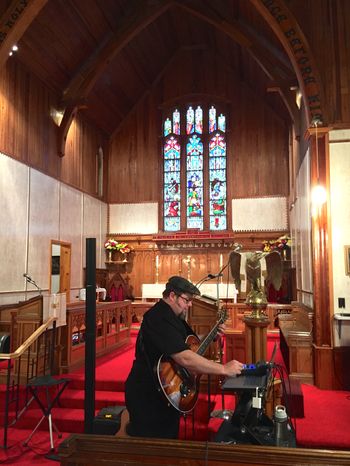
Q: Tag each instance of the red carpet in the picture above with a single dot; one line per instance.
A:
(325, 425)
(327, 419)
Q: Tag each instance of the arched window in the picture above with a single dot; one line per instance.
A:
(194, 156)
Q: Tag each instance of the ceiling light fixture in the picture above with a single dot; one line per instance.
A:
(14, 48)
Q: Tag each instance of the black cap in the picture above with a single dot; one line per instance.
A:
(181, 285)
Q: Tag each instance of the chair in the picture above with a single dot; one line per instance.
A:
(44, 388)
(44, 384)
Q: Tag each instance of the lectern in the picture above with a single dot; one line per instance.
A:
(54, 305)
(202, 316)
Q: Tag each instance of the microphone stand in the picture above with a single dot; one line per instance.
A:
(30, 280)
(221, 413)
(202, 280)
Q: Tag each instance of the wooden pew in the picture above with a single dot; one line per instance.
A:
(296, 342)
(94, 450)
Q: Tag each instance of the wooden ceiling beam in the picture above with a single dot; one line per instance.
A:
(267, 56)
(289, 99)
(68, 116)
(287, 29)
(14, 22)
(137, 19)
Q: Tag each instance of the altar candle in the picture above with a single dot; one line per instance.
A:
(221, 261)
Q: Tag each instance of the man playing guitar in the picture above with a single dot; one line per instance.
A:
(164, 372)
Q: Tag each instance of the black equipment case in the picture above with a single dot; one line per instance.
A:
(107, 421)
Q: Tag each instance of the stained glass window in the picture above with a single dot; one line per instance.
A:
(190, 121)
(176, 122)
(172, 183)
(212, 119)
(167, 127)
(203, 171)
(222, 123)
(217, 182)
(194, 172)
(199, 120)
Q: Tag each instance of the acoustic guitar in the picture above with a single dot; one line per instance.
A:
(178, 384)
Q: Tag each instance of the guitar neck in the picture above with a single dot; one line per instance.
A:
(208, 339)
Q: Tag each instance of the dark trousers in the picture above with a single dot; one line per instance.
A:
(150, 414)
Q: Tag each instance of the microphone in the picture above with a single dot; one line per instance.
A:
(30, 280)
(215, 275)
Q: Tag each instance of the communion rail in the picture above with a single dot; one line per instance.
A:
(33, 358)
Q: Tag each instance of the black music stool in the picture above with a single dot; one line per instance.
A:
(44, 384)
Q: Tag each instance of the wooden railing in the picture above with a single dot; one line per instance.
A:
(113, 322)
(297, 342)
(237, 312)
(94, 450)
(31, 359)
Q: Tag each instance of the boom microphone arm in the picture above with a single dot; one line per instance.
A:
(30, 280)
(208, 277)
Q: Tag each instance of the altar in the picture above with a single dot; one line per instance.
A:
(212, 290)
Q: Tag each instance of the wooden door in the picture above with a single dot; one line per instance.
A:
(65, 269)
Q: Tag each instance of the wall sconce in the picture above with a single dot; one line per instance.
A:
(318, 193)
(56, 115)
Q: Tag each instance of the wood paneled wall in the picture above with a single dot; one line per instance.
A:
(29, 134)
(257, 137)
(190, 259)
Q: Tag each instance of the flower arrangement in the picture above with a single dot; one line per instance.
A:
(281, 244)
(113, 245)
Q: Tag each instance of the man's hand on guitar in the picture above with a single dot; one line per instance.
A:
(221, 329)
(233, 368)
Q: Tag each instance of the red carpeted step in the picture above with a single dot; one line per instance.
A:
(66, 420)
(75, 399)
(293, 399)
(106, 383)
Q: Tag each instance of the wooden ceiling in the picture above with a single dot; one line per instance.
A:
(103, 56)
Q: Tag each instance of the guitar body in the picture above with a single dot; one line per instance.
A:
(179, 385)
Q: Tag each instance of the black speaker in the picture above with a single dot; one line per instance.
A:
(107, 421)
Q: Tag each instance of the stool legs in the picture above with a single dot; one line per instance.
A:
(50, 430)
(47, 412)
(25, 443)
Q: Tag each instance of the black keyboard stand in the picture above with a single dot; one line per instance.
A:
(248, 425)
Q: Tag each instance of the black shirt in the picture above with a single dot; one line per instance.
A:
(161, 333)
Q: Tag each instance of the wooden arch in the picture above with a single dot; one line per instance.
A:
(288, 31)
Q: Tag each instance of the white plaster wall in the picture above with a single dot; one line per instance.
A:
(71, 230)
(94, 214)
(43, 225)
(340, 213)
(34, 209)
(259, 214)
(133, 218)
(13, 224)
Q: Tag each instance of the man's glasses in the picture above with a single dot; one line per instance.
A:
(187, 300)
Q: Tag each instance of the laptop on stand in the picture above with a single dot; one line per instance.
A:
(255, 379)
